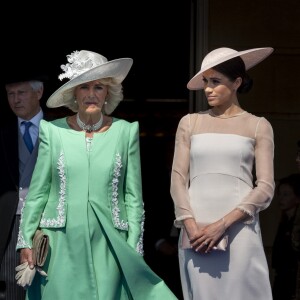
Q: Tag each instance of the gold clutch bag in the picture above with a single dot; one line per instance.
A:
(40, 248)
(185, 242)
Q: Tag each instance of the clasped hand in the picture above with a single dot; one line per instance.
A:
(203, 239)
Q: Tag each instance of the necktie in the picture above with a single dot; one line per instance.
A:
(26, 137)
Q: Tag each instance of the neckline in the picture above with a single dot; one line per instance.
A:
(83, 132)
(226, 117)
(89, 128)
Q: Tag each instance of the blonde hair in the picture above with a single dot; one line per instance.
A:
(113, 98)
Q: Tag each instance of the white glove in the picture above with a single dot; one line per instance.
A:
(25, 275)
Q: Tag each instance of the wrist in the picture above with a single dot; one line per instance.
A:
(224, 224)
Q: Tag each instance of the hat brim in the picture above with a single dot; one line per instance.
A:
(250, 57)
(117, 69)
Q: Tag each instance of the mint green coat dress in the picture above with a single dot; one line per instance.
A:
(87, 196)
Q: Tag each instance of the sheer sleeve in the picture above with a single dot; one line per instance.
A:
(262, 194)
(180, 172)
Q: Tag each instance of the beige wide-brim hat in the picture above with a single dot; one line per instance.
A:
(85, 66)
(250, 57)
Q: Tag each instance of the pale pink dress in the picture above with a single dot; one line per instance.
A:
(212, 172)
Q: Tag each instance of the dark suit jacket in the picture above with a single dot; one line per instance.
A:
(9, 182)
(9, 179)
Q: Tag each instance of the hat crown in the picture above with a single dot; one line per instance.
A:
(250, 57)
(80, 62)
(217, 55)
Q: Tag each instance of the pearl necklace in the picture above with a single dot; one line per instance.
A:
(89, 128)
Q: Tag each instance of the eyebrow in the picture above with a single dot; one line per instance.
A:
(212, 78)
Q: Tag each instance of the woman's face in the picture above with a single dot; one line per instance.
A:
(219, 89)
(287, 197)
(90, 96)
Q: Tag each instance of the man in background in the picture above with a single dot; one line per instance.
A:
(18, 153)
(284, 256)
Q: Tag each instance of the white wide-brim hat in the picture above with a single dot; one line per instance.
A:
(250, 57)
(85, 66)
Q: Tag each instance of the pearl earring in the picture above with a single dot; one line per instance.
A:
(105, 102)
(75, 100)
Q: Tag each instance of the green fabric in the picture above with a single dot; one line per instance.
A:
(90, 258)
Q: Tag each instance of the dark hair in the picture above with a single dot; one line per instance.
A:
(293, 181)
(234, 68)
(298, 143)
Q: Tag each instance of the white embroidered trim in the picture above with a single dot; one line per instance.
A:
(139, 247)
(59, 221)
(21, 243)
(121, 224)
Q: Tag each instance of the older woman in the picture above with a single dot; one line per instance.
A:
(86, 193)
